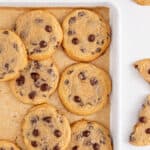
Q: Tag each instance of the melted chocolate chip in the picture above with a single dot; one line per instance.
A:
(43, 44)
(34, 119)
(136, 66)
(70, 32)
(5, 32)
(81, 13)
(21, 80)
(35, 76)
(48, 28)
(56, 147)
(91, 38)
(57, 133)
(50, 71)
(38, 20)
(98, 49)
(35, 132)
(102, 42)
(34, 143)
(47, 119)
(96, 146)
(32, 94)
(37, 65)
(77, 99)
(93, 81)
(44, 87)
(86, 133)
(148, 71)
(70, 72)
(6, 66)
(66, 81)
(75, 41)
(142, 119)
(72, 20)
(75, 147)
(82, 76)
(147, 131)
(82, 50)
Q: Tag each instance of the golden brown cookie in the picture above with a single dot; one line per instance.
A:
(13, 55)
(141, 132)
(86, 35)
(84, 89)
(36, 82)
(143, 2)
(89, 135)
(41, 33)
(143, 66)
(7, 145)
(45, 128)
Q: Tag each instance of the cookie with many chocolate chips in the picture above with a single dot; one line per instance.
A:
(89, 135)
(44, 128)
(13, 55)
(41, 33)
(141, 132)
(143, 66)
(7, 145)
(86, 35)
(36, 82)
(84, 89)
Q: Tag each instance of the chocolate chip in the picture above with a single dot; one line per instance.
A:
(23, 34)
(102, 42)
(82, 50)
(34, 143)
(70, 32)
(75, 147)
(93, 81)
(132, 138)
(86, 133)
(70, 71)
(142, 119)
(75, 41)
(37, 65)
(48, 28)
(66, 81)
(15, 46)
(98, 49)
(1, 148)
(50, 71)
(32, 94)
(5, 32)
(43, 44)
(44, 87)
(34, 119)
(91, 38)
(57, 133)
(77, 99)
(35, 132)
(35, 76)
(38, 20)
(82, 76)
(6, 66)
(96, 146)
(72, 20)
(56, 147)
(147, 131)
(81, 13)
(148, 71)
(11, 148)
(21, 80)
(47, 119)
(136, 66)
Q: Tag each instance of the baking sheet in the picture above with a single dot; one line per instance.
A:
(12, 110)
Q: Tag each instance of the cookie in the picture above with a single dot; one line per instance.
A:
(143, 2)
(36, 82)
(86, 35)
(141, 132)
(44, 128)
(41, 33)
(13, 55)
(6, 145)
(84, 89)
(143, 66)
(89, 135)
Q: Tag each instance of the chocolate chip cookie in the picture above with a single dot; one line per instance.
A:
(143, 66)
(41, 33)
(13, 55)
(84, 89)
(36, 82)
(86, 35)
(141, 133)
(6, 145)
(143, 2)
(88, 135)
(44, 128)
